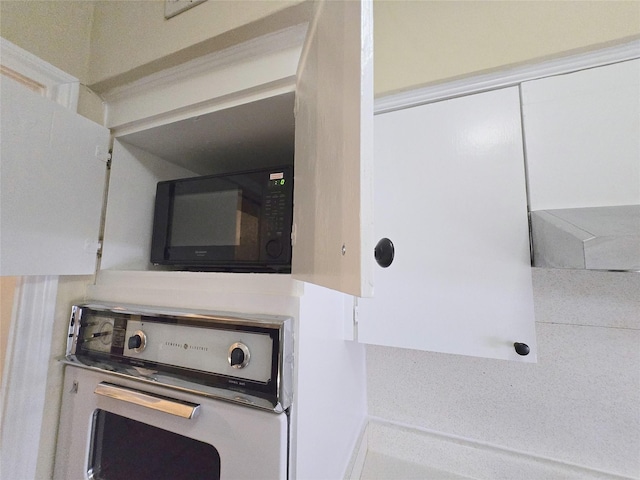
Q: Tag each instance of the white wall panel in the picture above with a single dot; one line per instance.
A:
(130, 205)
(582, 134)
(330, 401)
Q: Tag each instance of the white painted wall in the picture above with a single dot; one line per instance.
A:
(330, 396)
(71, 290)
(580, 403)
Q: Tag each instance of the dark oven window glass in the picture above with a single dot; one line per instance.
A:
(126, 449)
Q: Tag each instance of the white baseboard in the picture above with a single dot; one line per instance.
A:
(447, 456)
(356, 466)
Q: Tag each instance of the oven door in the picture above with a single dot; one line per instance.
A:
(113, 428)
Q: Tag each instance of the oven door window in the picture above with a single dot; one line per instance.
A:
(126, 449)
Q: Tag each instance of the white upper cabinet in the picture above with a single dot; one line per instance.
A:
(583, 137)
(450, 193)
(53, 177)
(302, 96)
(333, 150)
(315, 112)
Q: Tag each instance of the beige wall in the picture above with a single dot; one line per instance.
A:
(56, 31)
(416, 42)
(107, 42)
(421, 42)
(131, 39)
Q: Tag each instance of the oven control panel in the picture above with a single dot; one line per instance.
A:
(198, 348)
(249, 354)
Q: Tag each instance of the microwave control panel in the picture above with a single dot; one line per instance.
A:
(277, 215)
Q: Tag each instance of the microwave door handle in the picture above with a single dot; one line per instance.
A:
(171, 406)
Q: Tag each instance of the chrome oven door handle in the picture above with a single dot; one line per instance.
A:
(171, 406)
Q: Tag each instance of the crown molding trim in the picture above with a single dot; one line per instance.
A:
(200, 83)
(508, 77)
(57, 85)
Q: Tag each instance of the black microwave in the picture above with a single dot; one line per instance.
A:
(236, 222)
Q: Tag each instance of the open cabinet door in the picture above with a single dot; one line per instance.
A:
(450, 193)
(52, 183)
(333, 204)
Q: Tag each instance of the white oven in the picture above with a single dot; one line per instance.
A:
(152, 394)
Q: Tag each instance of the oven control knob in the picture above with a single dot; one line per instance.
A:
(239, 355)
(137, 342)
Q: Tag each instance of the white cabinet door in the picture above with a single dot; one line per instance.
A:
(52, 186)
(583, 137)
(450, 193)
(333, 159)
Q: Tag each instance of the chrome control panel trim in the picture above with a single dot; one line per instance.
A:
(98, 337)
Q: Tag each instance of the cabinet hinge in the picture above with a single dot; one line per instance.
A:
(350, 318)
(93, 246)
(103, 156)
(355, 310)
(356, 318)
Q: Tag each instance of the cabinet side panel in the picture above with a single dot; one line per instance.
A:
(330, 402)
(129, 219)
